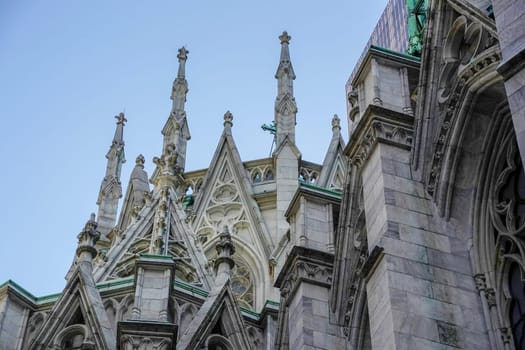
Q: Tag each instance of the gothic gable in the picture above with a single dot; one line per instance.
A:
(78, 318)
(162, 212)
(226, 199)
(334, 165)
(217, 323)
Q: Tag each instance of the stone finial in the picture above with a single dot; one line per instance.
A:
(224, 245)
(121, 119)
(336, 123)
(225, 249)
(228, 117)
(140, 161)
(168, 161)
(285, 38)
(88, 237)
(183, 54)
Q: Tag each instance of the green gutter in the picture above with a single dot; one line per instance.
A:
(395, 53)
(157, 256)
(321, 189)
(115, 283)
(18, 288)
(271, 303)
(249, 312)
(190, 288)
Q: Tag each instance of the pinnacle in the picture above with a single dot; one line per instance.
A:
(87, 238)
(140, 161)
(336, 122)
(228, 117)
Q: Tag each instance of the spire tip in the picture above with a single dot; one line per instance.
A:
(336, 122)
(228, 117)
(140, 161)
(183, 54)
(285, 38)
(121, 119)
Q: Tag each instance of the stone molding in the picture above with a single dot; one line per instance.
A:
(467, 78)
(379, 124)
(304, 265)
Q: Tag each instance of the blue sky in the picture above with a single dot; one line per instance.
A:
(68, 67)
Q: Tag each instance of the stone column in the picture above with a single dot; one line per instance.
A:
(151, 319)
(420, 291)
(305, 283)
(510, 23)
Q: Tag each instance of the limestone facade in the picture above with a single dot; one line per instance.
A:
(408, 236)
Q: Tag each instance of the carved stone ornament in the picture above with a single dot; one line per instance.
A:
(391, 128)
(469, 53)
(129, 342)
(305, 265)
(224, 208)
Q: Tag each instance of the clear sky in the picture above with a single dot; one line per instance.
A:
(68, 67)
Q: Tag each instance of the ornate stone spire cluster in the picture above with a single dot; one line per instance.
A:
(285, 106)
(111, 187)
(176, 132)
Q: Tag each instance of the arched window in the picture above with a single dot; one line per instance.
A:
(269, 175)
(71, 338)
(218, 342)
(256, 178)
(502, 244)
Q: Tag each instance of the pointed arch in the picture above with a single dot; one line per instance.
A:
(252, 265)
(218, 342)
(124, 308)
(111, 307)
(187, 313)
(499, 249)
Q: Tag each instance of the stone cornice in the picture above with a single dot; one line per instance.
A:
(312, 192)
(393, 57)
(304, 265)
(511, 66)
(379, 124)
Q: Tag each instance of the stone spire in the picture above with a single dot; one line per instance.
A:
(224, 262)
(176, 132)
(180, 85)
(285, 106)
(111, 188)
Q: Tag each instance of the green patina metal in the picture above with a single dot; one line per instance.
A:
(188, 201)
(395, 53)
(417, 18)
(321, 189)
(116, 283)
(191, 289)
(490, 11)
(249, 312)
(272, 128)
(157, 256)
